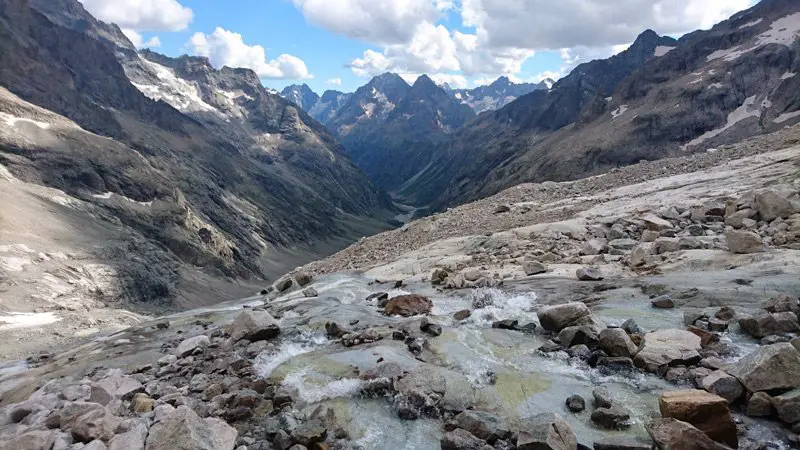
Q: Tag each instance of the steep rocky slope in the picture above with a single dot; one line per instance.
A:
(389, 127)
(328, 105)
(656, 99)
(198, 169)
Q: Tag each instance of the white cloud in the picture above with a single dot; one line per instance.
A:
(226, 48)
(376, 21)
(547, 24)
(142, 15)
(334, 81)
(138, 41)
(372, 63)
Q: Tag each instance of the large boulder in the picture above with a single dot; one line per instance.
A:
(743, 241)
(787, 406)
(254, 326)
(116, 385)
(408, 305)
(768, 324)
(546, 431)
(32, 440)
(760, 405)
(611, 418)
(673, 434)
(668, 347)
(655, 223)
(422, 390)
(706, 411)
(588, 274)
(577, 335)
(771, 205)
(133, 437)
(284, 283)
(781, 303)
(770, 367)
(616, 342)
(557, 317)
(724, 385)
(533, 267)
(99, 424)
(182, 429)
(483, 425)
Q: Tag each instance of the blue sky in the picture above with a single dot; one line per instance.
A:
(340, 44)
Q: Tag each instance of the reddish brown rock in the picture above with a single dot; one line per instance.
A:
(706, 411)
(408, 305)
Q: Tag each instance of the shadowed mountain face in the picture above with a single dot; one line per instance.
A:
(232, 174)
(301, 95)
(661, 97)
(389, 128)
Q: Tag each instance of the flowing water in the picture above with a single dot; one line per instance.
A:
(485, 368)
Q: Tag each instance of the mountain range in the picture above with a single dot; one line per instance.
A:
(198, 167)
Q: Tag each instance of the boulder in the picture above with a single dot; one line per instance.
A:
(623, 244)
(593, 247)
(483, 425)
(616, 342)
(706, 411)
(459, 439)
(32, 440)
(473, 274)
(142, 403)
(787, 406)
(547, 431)
(669, 434)
(533, 268)
(588, 274)
(768, 324)
(117, 385)
(283, 284)
(650, 236)
(408, 305)
(464, 314)
(557, 317)
(724, 385)
(612, 418)
(577, 335)
(760, 405)
(134, 436)
(439, 275)
(188, 346)
(743, 241)
(310, 292)
(576, 403)
(668, 347)
(302, 278)
(182, 429)
(781, 303)
(254, 326)
(655, 223)
(666, 245)
(640, 254)
(422, 389)
(99, 424)
(602, 397)
(663, 302)
(771, 205)
(770, 367)
(507, 324)
(310, 432)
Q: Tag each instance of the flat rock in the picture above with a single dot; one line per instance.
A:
(588, 274)
(533, 268)
(486, 426)
(623, 443)
(655, 223)
(459, 439)
(770, 367)
(668, 347)
(612, 418)
(706, 411)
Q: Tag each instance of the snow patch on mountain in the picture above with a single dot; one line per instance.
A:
(783, 31)
(739, 114)
(662, 50)
(179, 93)
(752, 24)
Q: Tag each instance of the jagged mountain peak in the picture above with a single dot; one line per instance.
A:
(301, 95)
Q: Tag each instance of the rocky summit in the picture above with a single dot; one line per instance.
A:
(182, 267)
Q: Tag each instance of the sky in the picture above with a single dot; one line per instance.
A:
(341, 44)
